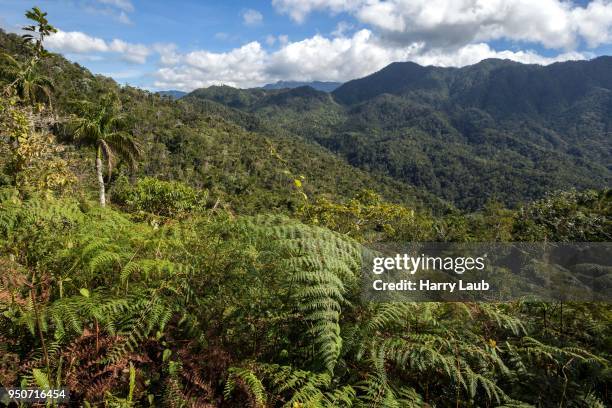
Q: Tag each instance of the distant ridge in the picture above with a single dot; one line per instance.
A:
(318, 85)
(500, 87)
(174, 94)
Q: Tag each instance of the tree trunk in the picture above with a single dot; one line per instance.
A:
(100, 177)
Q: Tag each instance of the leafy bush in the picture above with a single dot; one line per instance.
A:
(567, 216)
(163, 198)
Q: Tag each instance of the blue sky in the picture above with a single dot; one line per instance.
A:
(185, 44)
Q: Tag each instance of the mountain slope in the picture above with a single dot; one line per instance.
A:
(498, 86)
(243, 162)
(494, 130)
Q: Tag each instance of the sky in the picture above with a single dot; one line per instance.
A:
(189, 44)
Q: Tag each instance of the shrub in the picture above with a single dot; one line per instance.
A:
(163, 198)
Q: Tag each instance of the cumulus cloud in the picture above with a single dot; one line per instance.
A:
(595, 22)
(474, 53)
(336, 59)
(322, 58)
(240, 67)
(168, 54)
(136, 53)
(124, 75)
(251, 17)
(555, 24)
(428, 32)
(76, 42)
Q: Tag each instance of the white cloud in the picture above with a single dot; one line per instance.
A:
(251, 17)
(117, 9)
(240, 67)
(168, 54)
(136, 53)
(595, 22)
(337, 59)
(80, 43)
(322, 58)
(75, 42)
(125, 5)
(400, 30)
(84, 57)
(474, 53)
(555, 24)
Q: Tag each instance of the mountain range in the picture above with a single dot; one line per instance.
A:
(497, 130)
(318, 85)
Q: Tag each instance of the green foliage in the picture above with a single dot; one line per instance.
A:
(279, 301)
(39, 30)
(494, 130)
(164, 198)
(249, 381)
(24, 78)
(369, 218)
(566, 217)
(100, 125)
(32, 159)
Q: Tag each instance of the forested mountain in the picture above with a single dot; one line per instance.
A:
(225, 267)
(318, 85)
(242, 161)
(496, 129)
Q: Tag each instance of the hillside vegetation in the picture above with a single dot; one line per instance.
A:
(210, 146)
(497, 129)
(189, 254)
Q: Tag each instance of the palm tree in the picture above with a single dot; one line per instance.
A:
(39, 31)
(100, 125)
(23, 77)
(26, 81)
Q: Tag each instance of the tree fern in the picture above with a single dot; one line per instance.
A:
(319, 265)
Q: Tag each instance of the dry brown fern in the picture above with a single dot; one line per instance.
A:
(88, 375)
(13, 283)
